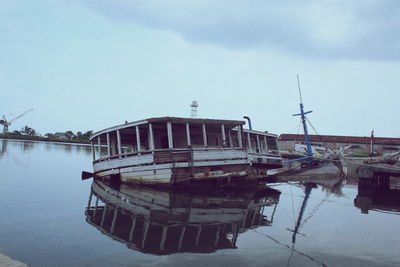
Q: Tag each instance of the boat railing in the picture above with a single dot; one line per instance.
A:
(273, 153)
(167, 151)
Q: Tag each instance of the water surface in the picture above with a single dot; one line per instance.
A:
(47, 219)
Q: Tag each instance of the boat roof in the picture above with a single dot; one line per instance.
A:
(259, 133)
(177, 120)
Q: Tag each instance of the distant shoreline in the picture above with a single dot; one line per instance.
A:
(42, 139)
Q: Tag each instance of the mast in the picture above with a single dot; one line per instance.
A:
(303, 120)
(307, 192)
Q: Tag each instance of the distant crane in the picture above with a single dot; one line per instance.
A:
(7, 123)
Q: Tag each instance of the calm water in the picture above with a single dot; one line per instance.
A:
(49, 217)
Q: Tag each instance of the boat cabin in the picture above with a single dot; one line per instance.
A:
(167, 147)
(166, 133)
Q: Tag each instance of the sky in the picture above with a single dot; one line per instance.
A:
(91, 64)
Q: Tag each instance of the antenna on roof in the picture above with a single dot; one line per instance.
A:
(194, 106)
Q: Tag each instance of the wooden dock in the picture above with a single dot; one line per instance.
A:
(377, 176)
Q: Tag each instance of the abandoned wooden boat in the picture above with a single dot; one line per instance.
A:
(170, 150)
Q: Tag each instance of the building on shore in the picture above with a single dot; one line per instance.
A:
(356, 145)
(58, 135)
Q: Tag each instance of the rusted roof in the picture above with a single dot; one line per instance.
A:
(196, 120)
(342, 139)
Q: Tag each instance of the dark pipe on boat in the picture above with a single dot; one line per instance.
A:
(248, 119)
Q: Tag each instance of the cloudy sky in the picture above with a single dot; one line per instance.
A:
(91, 64)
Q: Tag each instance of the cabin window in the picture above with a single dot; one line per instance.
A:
(228, 138)
(214, 135)
(128, 140)
(144, 137)
(253, 143)
(235, 133)
(179, 136)
(96, 154)
(113, 143)
(99, 147)
(196, 135)
(103, 146)
(160, 135)
(263, 144)
(93, 150)
(272, 144)
(235, 139)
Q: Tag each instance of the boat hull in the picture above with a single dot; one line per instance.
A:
(229, 168)
(153, 168)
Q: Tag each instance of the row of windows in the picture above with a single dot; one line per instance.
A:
(216, 136)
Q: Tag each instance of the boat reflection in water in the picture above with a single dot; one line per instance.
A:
(383, 197)
(161, 222)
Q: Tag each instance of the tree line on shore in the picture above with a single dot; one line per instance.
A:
(29, 133)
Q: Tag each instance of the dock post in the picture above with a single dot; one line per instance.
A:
(90, 199)
(145, 230)
(163, 237)
(132, 228)
(170, 137)
(95, 207)
(203, 126)
(239, 133)
(119, 143)
(114, 220)
(189, 143)
(99, 145)
(198, 236)
(181, 238)
(223, 135)
(108, 145)
(249, 142)
(138, 139)
(151, 137)
(103, 217)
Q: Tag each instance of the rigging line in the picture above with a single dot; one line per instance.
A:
(294, 128)
(299, 127)
(312, 213)
(289, 247)
(315, 130)
(312, 126)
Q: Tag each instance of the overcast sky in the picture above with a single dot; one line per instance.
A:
(91, 64)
